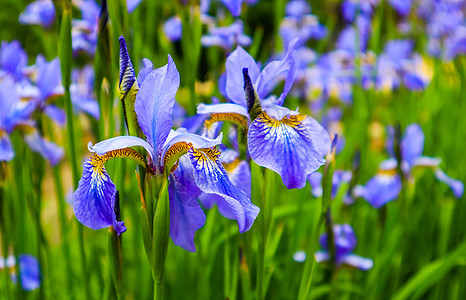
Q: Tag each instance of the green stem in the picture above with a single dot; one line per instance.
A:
(65, 54)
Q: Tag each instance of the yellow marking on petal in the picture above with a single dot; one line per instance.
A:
(292, 121)
(97, 161)
(389, 172)
(232, 117)
(174, 153)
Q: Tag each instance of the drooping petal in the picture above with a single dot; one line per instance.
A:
(234, 65)
(186, 215)
(234, 6)
(154, 104)
(357, 261)
(6, 148)
(94, 198)
(30, 272)
(144, 72)
(319, 136)
(455, 185)
(284, 146)
(56, 114)
(322, 256)
(86, 104)
(412, 144)
(278, 70)
(381, 188)
(426, 161)
(48, 150)
(48, 78)
(120, 142)
(222, 108)
(211, 178)
(315, 179)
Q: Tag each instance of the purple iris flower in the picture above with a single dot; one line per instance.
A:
(445, 27)
(16, 113)
(297, 8)
(13, 112)
(234, 6)
(84, 30)
(81, 89)
(40, 12)
(345, 242)
(47, 77)
(402, 7)
(240, 175)
(339, 177)
(456, 43)
(299, 23)
(391, 62)
(29, 270)
(352, 8)
(386, 185)
(291, 144)
(351, 37)
(13, 59)
(226, 37)
(190, 161)
(173, 28)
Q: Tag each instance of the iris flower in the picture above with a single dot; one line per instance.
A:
(29, 270)
(40, 12)
(345, 242)
(226, 37)
(191, 162)
(285, 141)
(386, 185)
(14, 114)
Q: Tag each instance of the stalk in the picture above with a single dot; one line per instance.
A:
(65, 54)
(306, 279)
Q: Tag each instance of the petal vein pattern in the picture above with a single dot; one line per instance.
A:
(211, 178)
(284, 146)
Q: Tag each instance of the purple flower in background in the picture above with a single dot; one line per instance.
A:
(195, 158)
(234, 6)
(29, 270)
(345, 243)
(297, 8)
(82, 87)
(16, 113)
(13, 112)
(350, 38)
(226, 37)
(173, 28)
(445, 23)
(40, 12)
(271, 128)
(339, 177)
(352, 8)
(84, 30)
(402, 7)
(412, 148)
(386, 185)
(13, 59)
